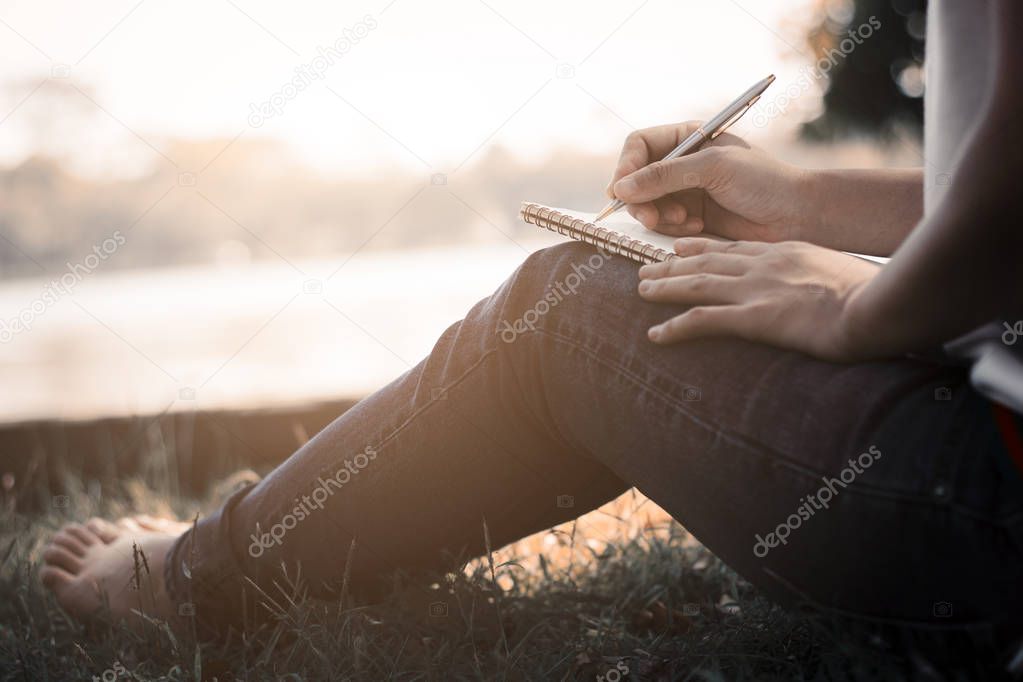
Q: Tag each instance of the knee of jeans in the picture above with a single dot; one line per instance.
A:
(561, 281)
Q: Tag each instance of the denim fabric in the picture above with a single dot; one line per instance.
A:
(522, 406)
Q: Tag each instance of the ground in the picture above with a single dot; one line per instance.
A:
(623, 594)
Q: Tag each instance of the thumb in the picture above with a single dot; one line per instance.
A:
(664, 177)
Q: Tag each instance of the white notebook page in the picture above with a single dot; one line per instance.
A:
(624, 223)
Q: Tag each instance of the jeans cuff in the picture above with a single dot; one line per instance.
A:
(202, 575)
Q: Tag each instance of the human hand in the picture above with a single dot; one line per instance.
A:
(790, 294)
(728, 187)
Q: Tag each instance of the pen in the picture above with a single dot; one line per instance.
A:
(708, 131)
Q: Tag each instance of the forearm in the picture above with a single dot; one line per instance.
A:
(958, 269)
(863, 211)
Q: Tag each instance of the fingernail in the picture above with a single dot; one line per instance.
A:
(654, 333)
(645, 286)
(644, 271)
(624, 186)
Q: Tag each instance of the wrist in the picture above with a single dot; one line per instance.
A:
(808, 210)
(858, 334)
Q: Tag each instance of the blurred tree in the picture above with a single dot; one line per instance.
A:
(877, 88)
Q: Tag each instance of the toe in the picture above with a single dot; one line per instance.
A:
(103, 529)
(81, 533)
(79, 598)
(70, 543)
(55, 578)
(55, 555)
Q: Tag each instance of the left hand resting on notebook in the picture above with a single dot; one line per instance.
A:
(789, 294)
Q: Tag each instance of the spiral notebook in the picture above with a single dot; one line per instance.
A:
(618, 233)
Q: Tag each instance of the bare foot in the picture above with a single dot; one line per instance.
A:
(87, 564)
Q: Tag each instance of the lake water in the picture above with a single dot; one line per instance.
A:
(262, 334)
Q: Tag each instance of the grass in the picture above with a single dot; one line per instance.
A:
(623, 594)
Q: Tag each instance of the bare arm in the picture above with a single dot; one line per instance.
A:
(957, 269)
(961, 266)
(864, 211)
(740, 192)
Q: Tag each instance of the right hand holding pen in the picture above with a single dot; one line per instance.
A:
(727, 187)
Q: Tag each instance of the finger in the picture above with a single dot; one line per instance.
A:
(690, 227)
(650, 144)
(713, 263)
(692, 246)
(697, 170)
(698, 289)
(693, 200)
(725, 320)
(69, 543)
(55, 555)
(671, 211)
(645, 213)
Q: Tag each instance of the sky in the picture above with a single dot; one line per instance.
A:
(107, 85)
(114, 88)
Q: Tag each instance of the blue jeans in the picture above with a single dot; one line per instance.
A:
(881, 489)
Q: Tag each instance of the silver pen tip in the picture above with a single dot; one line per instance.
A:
(605, 213)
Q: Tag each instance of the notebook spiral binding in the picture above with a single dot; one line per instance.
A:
(583, 231)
